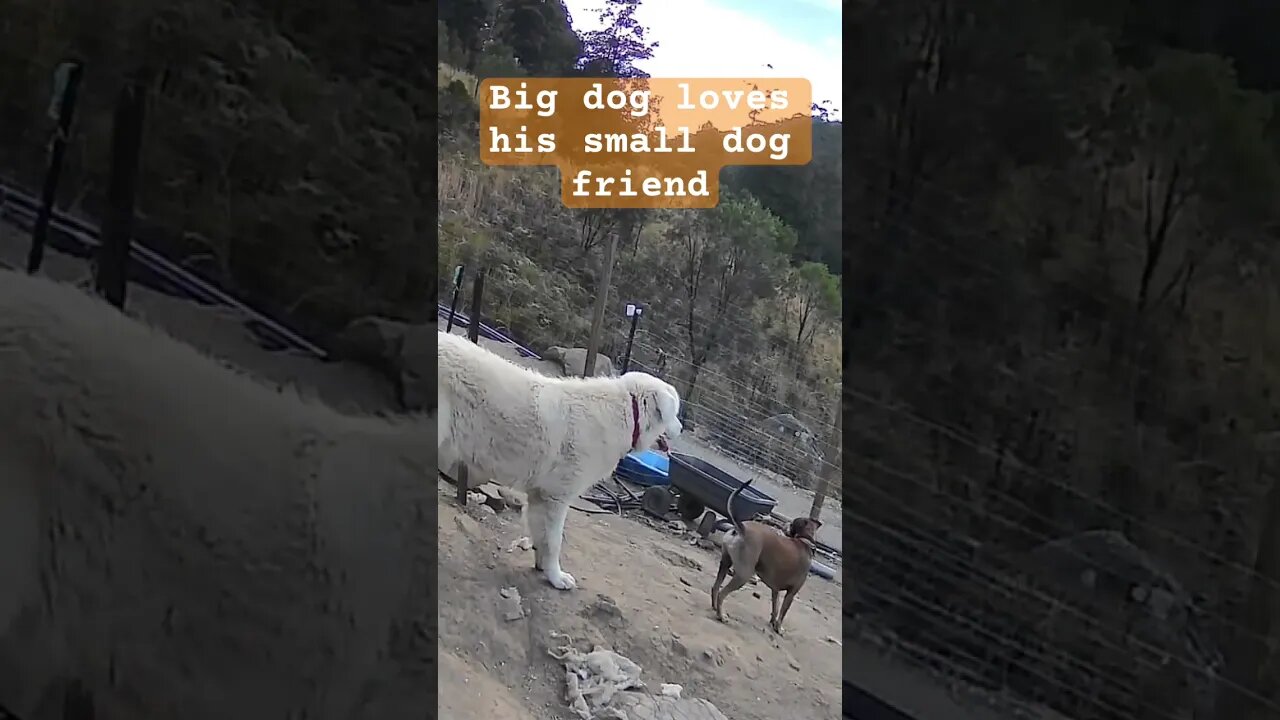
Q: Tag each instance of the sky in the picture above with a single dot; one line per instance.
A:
(737, 38)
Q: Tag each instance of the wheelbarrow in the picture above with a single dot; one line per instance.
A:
(696, 486)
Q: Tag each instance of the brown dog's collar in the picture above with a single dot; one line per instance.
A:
(635, 422)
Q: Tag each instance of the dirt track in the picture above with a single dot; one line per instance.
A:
(642, 592)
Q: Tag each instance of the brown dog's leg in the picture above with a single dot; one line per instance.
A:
(774, 621)
(737, 582)
(786, 605)
(725, 563)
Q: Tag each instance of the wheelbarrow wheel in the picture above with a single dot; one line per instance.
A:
(656, 501)
(708, 524)
(689, 507)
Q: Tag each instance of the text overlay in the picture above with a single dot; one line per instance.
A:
(648, 142)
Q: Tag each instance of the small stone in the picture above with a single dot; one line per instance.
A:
(466, 524)
(511, 609)
(606, 606)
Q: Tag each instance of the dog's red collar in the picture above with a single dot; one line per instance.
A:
(635, 422)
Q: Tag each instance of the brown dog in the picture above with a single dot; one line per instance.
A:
(754, 548)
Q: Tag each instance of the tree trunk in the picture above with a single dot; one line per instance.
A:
(602, 302)
(1157, 233)
(831, 476)
(695, 366)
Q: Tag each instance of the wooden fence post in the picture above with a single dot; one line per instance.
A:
(67, 85)
(111, 274)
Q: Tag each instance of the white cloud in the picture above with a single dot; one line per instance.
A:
(699, 38)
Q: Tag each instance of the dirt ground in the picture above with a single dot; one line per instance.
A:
(642, 592)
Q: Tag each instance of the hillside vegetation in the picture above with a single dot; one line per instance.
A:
(1064, 297)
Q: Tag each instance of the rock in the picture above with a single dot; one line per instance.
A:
(671, 690)
(493, 496)
(606, 606)
(510, 604)
(371, 340)
(514, 498)
(523, 543)
(404, 352)
(574, 361)
(466, 524)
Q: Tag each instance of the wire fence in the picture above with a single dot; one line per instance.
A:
(738, 421)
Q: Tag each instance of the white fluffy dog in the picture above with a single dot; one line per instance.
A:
(551, 437)
(187, 542)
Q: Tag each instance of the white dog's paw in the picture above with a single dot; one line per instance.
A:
(561, 580)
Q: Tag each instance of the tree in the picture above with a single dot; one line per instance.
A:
(615, 50)
(470, 20)
(808, 198)
(539, 33)
(1203, 145)
(497, 59)
(817, 298)
(729, 256)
